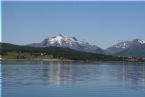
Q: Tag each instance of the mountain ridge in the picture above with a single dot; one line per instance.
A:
(136, 51)
(76, 44)
(121, 46)
(134, 47)
(69, 42)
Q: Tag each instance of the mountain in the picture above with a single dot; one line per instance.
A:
(136, 51)
(120, 47)
(68, 42)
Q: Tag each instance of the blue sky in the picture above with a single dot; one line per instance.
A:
(100, 23)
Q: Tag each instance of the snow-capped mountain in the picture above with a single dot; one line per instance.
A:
(124, 45)
(136, 51)
(68, 42)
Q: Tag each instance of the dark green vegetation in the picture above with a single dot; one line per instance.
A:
(10, 51)
(137, 51)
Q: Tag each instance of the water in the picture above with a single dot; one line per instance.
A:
(72, 79)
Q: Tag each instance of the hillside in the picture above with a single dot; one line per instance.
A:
(24, 52)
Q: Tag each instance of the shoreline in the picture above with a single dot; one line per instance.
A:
(68, 60)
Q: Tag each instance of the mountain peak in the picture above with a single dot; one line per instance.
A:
(125, 45)
(139, 41)
(69, 42)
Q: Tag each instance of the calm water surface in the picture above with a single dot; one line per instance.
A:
(72, 79)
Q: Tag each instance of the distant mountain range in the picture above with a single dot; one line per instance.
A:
(137, 51)
(134, 47)
(126, 48)
(68, 42)
(11, 51)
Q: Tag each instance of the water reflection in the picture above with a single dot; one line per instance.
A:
(69, 73)
(59, 73)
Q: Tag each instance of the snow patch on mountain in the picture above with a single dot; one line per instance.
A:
(140, 41)
(122, 45)
(127, 44)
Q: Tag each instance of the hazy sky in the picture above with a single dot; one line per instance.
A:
(100, 23)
